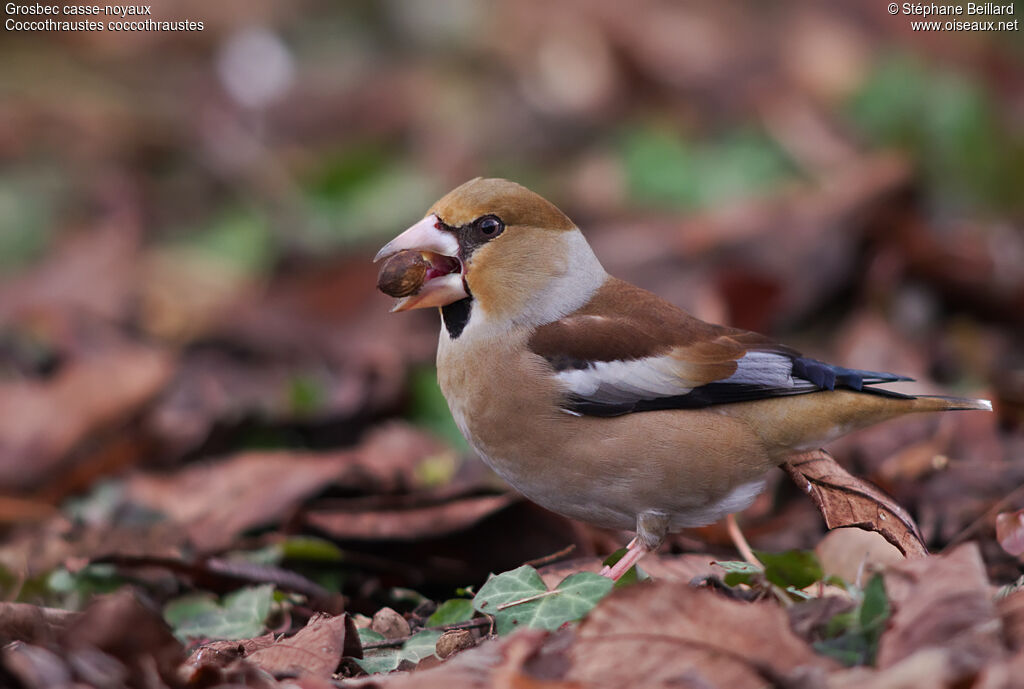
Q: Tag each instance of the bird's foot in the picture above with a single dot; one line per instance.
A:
(634, 552)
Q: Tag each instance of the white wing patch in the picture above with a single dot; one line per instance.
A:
(616, 382)
(766, 369)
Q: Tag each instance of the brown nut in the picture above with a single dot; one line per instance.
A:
(403, 274)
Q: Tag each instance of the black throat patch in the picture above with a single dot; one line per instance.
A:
(456, 315)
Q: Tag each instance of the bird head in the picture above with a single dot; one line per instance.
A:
(510, 251)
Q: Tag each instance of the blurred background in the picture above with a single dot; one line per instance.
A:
(195, 367)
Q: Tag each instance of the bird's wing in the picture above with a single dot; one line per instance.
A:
(629, 351)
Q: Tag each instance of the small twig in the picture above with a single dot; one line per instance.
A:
(552, 557)
(740, 541)
(528, 599)
(391, 643)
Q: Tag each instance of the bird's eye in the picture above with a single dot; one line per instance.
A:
(488, 226)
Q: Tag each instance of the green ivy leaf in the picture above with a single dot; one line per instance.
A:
(451, 612)
(796, 568)
(378, 660)
(854, 635)
(368, 636)
(240, 615)
(874, 610)
(311, 549)
(739, 572)
(519, 598)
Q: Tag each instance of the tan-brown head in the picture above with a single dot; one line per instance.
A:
(519, 259)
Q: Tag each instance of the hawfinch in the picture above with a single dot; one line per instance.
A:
(599, 400)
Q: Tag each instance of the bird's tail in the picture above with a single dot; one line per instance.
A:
(810, 421)
(944, 403)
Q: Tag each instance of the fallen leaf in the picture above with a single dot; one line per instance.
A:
(845, 500)
(360, 523)
(929, 667)
(35, 667)
(316, 649)
(852, 638)
(810, 618)
(520, 598)
(497, 663)
(852, 554)
(943, 602)
(91, 272)
(794, 568)
(451, 611)
(223, 653)
(32, 623)
(1003, 675)
(217, 501)
(221, 574)
(239, 616)
(1011, 612)
(665, 632)
(90, 395)
(123, 627)
(381, 660)
(214, 391)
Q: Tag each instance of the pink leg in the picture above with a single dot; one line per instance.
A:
(634, 552)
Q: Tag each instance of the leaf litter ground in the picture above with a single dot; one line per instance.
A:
(222, 462)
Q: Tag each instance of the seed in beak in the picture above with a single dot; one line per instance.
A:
(403, 274)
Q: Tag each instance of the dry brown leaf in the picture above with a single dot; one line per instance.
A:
(1011, 612)
(845, 500)
(945, 602)
(34, 667)
(125, 628)
(90, 272)
(673, 631)
(492, 664)
(32, 623)
(223, 653)
(809, 619)
(222, 574)
(853, 554)
(917, 459)
(215, 502)
(408, 524)
(1008, 674)
(42, 421)
(315, 650)
(929, 668)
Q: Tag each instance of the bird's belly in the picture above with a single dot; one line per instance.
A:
(607, 501)
(599, 477)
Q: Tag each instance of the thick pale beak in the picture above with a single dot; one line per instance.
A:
(444, 283)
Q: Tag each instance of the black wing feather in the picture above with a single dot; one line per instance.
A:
(823, 376)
